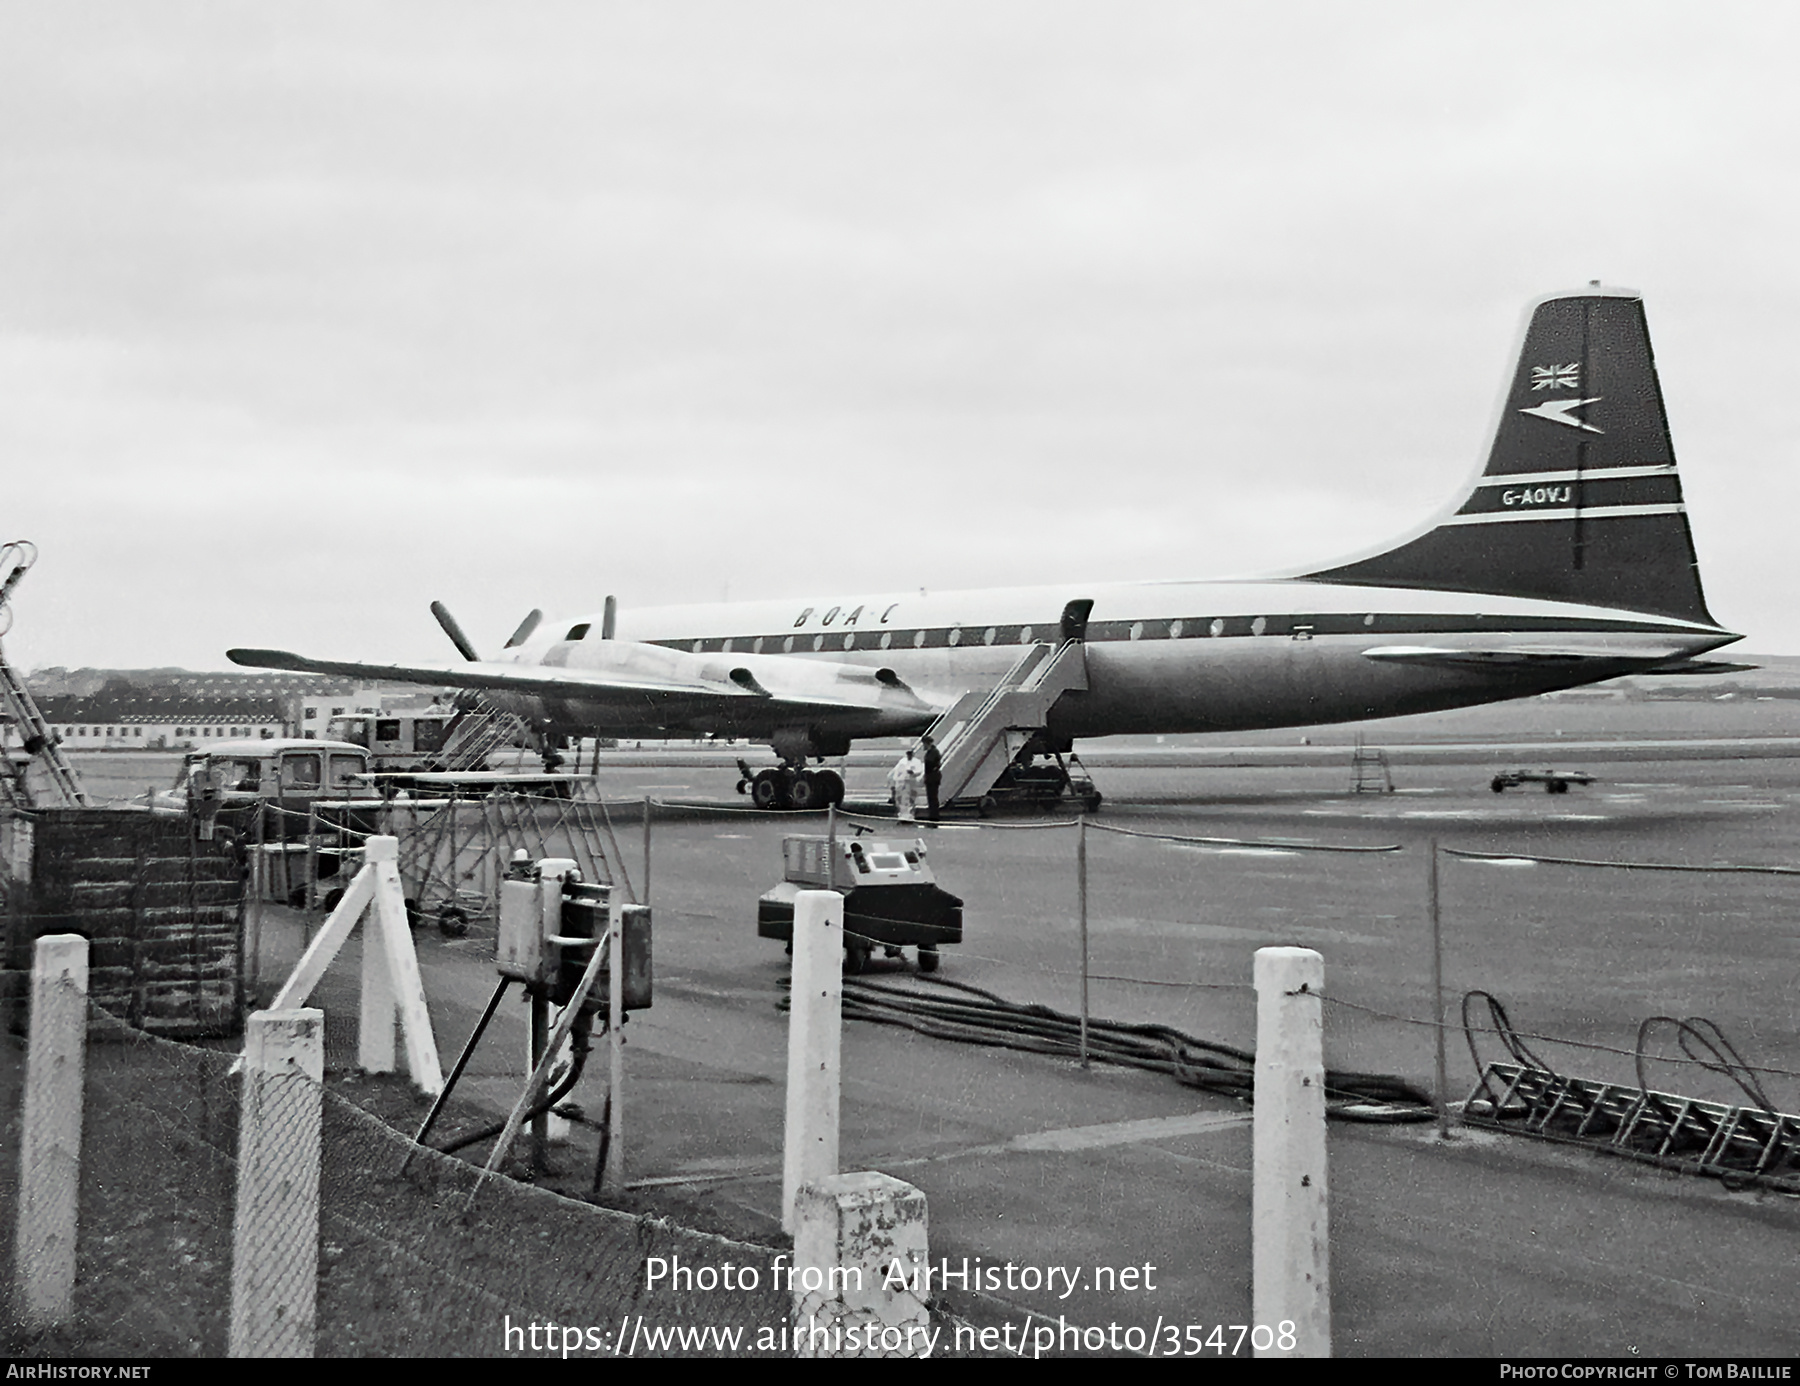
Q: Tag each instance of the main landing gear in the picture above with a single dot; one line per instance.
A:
(790, 787)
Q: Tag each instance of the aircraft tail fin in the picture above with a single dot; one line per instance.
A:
(1580, 501)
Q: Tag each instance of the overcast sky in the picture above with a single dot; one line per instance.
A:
(312, 313)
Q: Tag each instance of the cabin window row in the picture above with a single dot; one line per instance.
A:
(950, 637)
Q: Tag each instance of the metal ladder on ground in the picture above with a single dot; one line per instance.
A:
(1734, 1142)
(36, 772)
(1369, 773)
(982, 733)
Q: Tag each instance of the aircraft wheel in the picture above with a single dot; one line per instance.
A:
(333, 898)
(1557, 787)
(413, 913)
(806, 792)
(928, 959)
(1094, 801)
(453, 921)
(765, 790)
(988, 806)
(833, 784)
(1498, 786)
(856, 958)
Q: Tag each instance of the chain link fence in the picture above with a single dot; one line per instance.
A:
(401, 1269)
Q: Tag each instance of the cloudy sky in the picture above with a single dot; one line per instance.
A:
(311, 314)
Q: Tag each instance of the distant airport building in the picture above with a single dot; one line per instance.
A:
(172, 709)
(142, 721)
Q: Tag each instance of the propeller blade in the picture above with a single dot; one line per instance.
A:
(523, 633)
(454, 631)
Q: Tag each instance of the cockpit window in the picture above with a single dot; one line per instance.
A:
(578, 632)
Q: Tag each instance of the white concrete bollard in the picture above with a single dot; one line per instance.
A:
(379, 1011)
(50, 1139)
(815, 1024)
(275, 1235)
(1290, 1260)
(860, 1252)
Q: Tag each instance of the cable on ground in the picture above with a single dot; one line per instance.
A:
(977, 1016)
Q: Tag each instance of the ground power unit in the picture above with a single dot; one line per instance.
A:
(891, 898)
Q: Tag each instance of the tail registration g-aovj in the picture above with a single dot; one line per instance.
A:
(1568, 560)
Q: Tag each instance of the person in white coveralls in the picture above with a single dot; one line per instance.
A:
(906, 779)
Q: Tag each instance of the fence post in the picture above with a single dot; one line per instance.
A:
(1441, 1071)
(859, 1281)
(50, 1141)
(1081, 891)
(815, 1022)
(377, 1010)
(646, 899)
(275, 1242)
(1290, 1260)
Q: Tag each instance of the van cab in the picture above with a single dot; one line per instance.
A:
(287, 769)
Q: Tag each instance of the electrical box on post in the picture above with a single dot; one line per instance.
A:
(634, 922)
(530, 916)
(550, 922)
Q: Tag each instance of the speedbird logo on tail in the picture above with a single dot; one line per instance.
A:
(1557, 411)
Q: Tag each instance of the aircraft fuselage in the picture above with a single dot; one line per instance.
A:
(1162, 657)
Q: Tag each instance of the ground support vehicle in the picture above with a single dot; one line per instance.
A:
(891, 898)
(1554, 781)
(292, 803)
(1039, 783)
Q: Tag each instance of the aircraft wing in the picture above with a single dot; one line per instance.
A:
(683, 678)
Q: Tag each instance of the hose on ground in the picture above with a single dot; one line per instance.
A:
(982, 1017)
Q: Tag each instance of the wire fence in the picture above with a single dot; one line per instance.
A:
(1574, 946)
(401, 1272)
(404, 1267)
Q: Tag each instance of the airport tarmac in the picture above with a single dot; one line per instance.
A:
(1488, 1245)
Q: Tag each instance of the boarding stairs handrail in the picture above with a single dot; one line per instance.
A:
(477, 732)
(971, 734)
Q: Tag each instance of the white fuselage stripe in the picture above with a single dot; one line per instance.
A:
(1591, 474)
(1592, 512)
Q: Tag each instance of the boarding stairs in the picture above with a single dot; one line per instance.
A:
(478, 731)
(36, 772)
(987, 732)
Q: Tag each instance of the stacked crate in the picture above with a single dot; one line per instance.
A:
(161, 907)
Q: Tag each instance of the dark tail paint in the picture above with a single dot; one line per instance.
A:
(1580, 501)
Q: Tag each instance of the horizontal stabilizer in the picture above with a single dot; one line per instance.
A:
(1701, 666)
(1534, 656)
